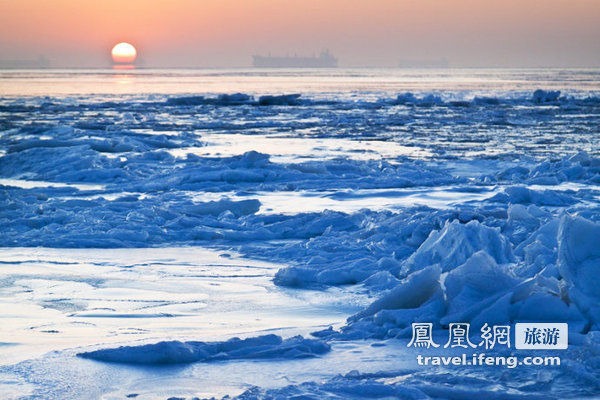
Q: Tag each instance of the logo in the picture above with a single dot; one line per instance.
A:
(528, 336)
(541, 336)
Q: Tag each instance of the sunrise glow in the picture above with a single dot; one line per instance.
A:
(383, 33)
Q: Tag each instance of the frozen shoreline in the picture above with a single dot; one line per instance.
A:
(60, 298)
(187, 219)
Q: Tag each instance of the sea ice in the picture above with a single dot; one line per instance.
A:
(455, 243)
(492, 216)
(176, 352)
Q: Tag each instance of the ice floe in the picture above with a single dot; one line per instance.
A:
(176, 352)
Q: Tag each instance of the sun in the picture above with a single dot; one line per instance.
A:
(123, 53)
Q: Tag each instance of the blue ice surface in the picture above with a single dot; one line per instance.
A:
(529, 252)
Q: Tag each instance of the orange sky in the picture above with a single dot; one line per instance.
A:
(205, 33)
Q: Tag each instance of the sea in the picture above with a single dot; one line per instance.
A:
(149, 217)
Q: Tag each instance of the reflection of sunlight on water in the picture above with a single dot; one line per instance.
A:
(285, 149)
(349, 201)
(123, 66)
(123, 79)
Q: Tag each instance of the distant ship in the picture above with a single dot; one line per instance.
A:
(325, 60)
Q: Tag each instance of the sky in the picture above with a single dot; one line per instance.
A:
(226, 33)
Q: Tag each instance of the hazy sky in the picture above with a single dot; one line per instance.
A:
(208, 33)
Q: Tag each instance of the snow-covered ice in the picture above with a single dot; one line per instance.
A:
(271, 245)
(176, 352)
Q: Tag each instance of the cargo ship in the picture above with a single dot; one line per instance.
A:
(324, 60)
